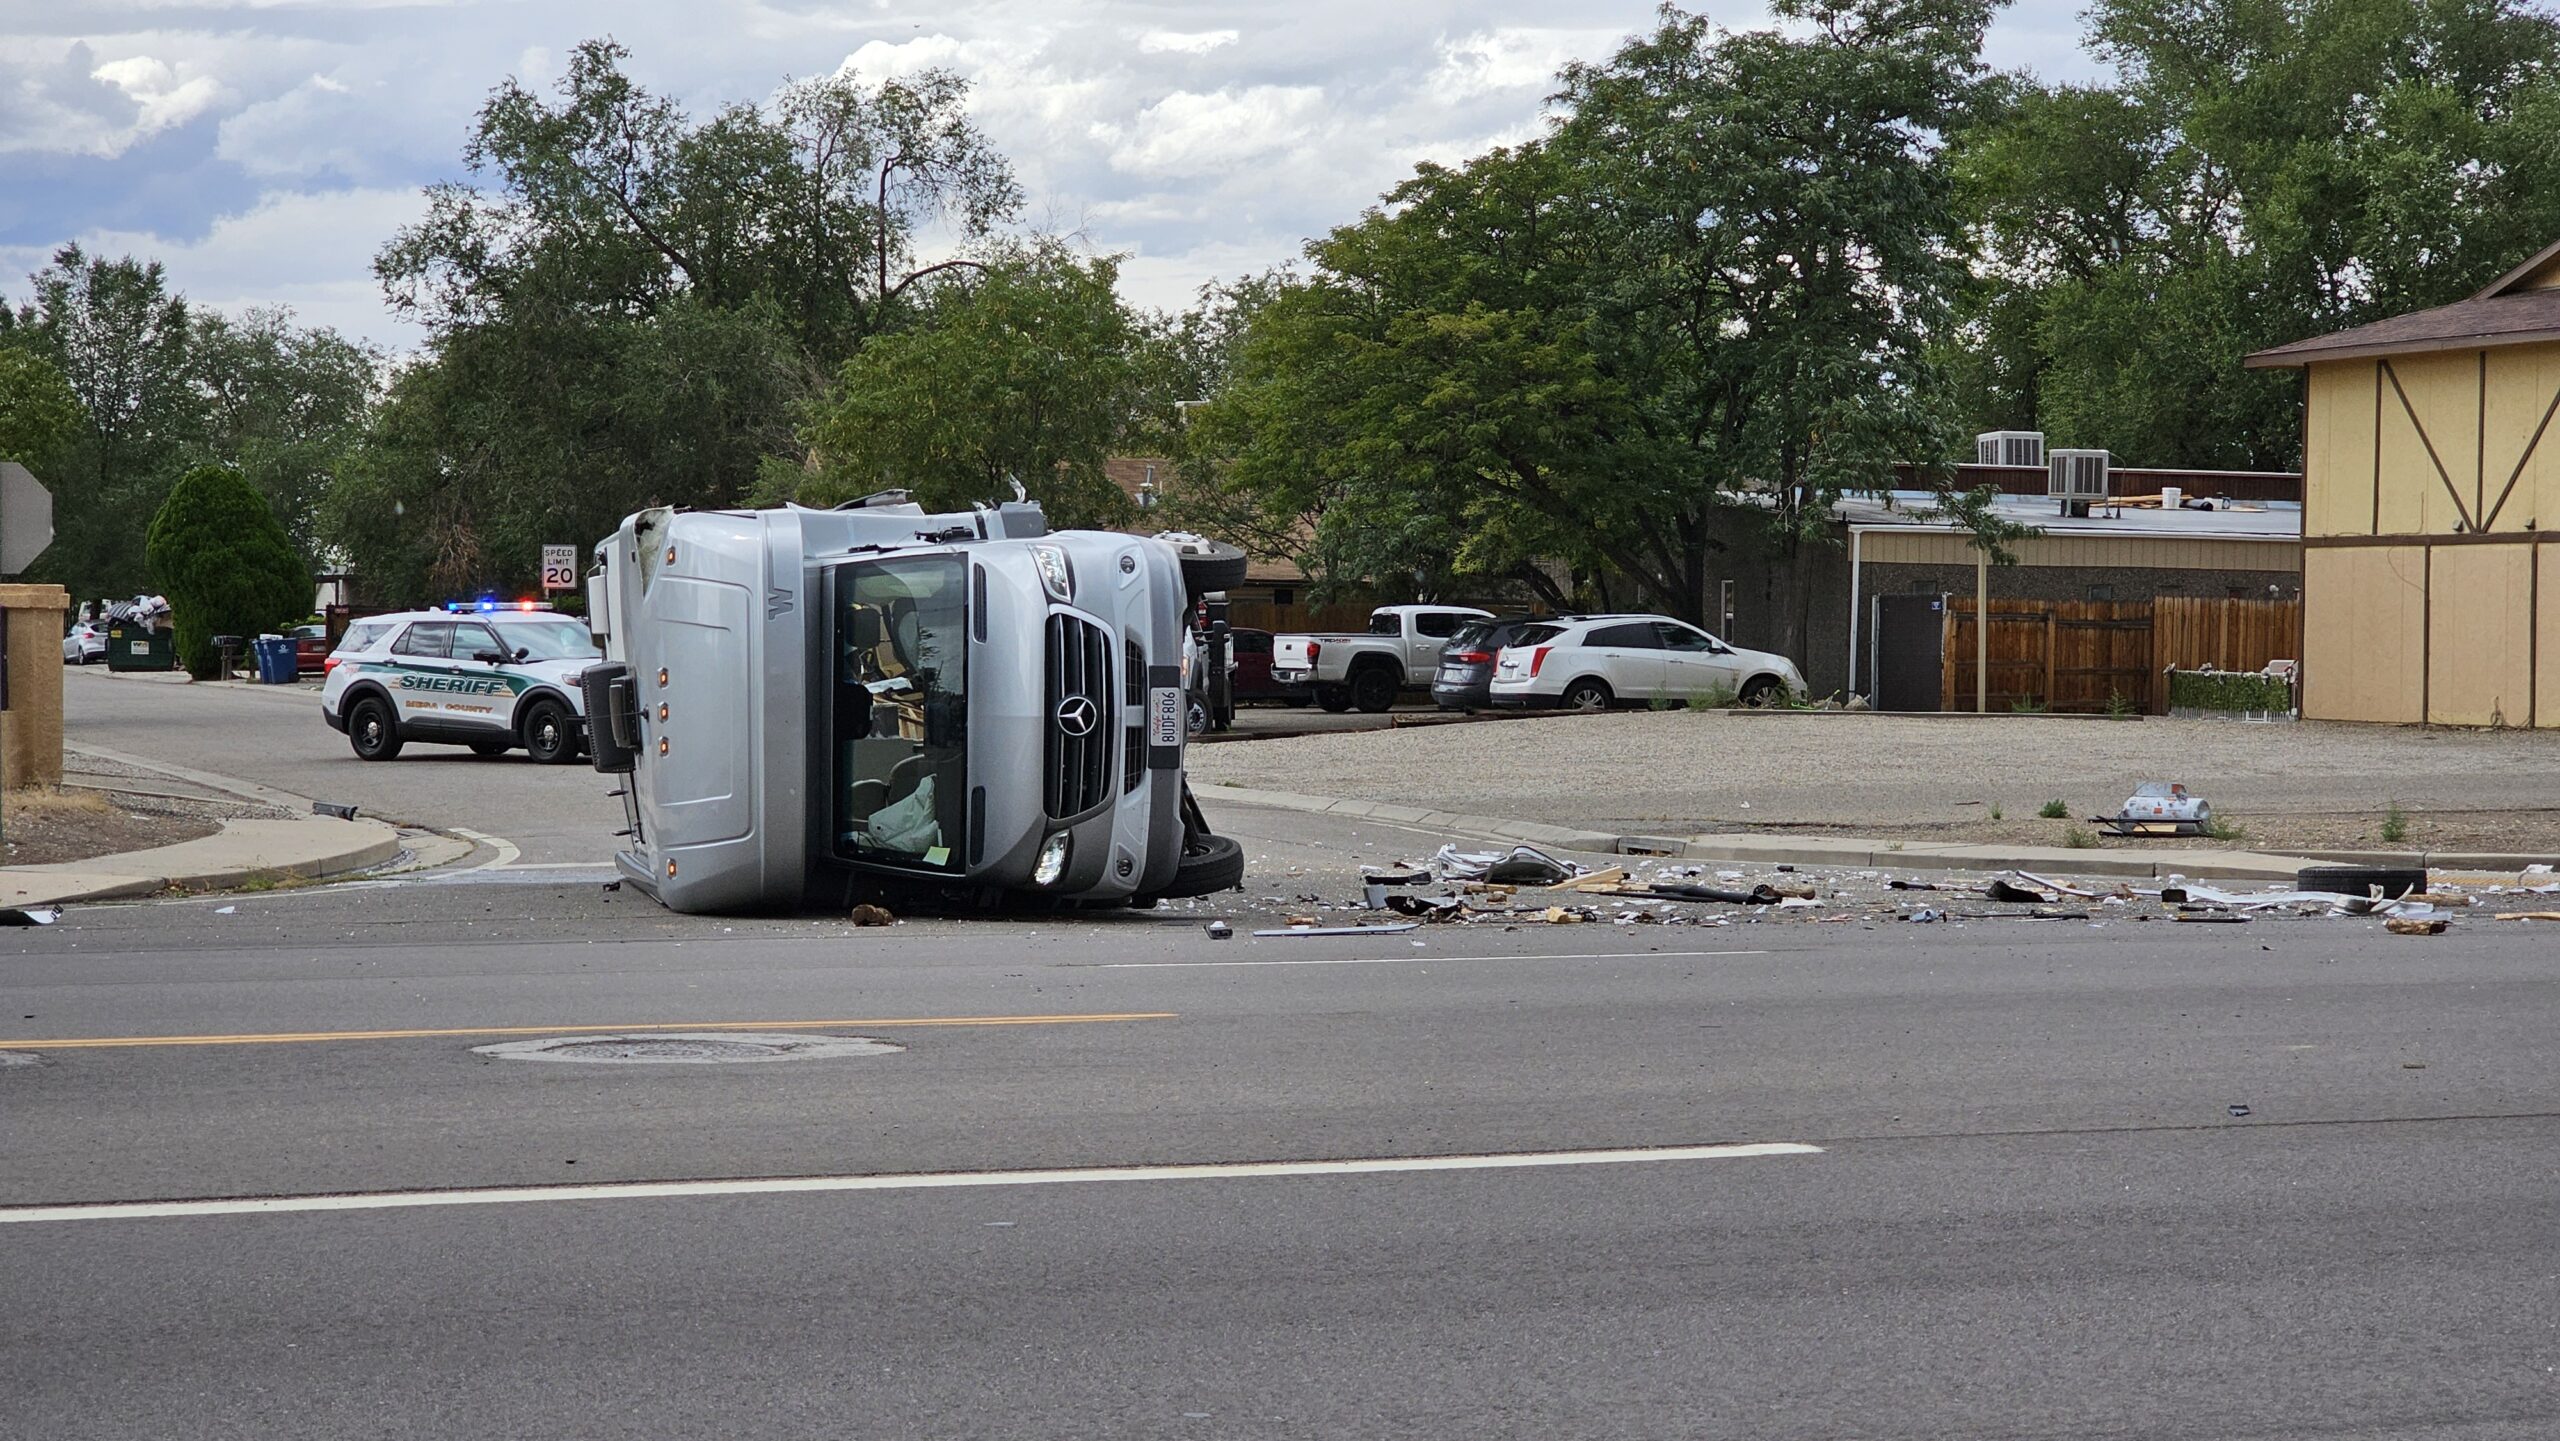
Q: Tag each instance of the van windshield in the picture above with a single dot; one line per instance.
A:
(899, 710)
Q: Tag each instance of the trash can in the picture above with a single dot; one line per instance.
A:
(276, 663)
(134, 646)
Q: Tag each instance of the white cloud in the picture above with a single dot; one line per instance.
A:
(1187, 134)
(1177, 42)
(312, 252)
(1495, 62)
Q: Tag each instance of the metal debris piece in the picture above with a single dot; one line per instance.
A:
(2416, 925)
(332, 808)
(1220, 930)
(30, 915)
(1389, 929)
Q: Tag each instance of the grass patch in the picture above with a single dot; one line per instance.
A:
(2395, 825)
(1995, 810)
(58, 801)
(2080, 838)
(2027, 705)
(274, 881)
(2053, 811)
(2223, 828)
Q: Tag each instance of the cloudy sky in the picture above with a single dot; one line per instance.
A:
(264, 149)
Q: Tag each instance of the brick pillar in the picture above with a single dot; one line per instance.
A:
(31, 728)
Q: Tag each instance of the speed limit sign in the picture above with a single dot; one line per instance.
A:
(559, 567)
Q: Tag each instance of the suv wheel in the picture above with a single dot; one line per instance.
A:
(1588, 695)
(373, 730)
(550, 736)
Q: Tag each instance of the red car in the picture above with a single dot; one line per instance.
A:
(1251, 676)
(310, 647)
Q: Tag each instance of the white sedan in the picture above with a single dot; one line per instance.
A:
(87, 642)
(1595, 662)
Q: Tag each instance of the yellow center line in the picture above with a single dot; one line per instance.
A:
(280, 1038)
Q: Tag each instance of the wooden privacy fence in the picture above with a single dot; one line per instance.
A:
(2090, 656)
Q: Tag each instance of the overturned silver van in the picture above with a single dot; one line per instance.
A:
(809, 703)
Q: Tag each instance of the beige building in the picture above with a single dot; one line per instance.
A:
(2430, 593)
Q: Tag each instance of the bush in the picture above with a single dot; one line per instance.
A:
(227, 567)
(2053, 810)
(2229, 691)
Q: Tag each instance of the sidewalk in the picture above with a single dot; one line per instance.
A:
(1847, 852)
(310, 847)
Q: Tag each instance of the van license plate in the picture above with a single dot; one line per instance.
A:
(1164, 716)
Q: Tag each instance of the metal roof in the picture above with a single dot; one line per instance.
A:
(1916, 510)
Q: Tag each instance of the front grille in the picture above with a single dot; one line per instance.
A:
(1078, 771)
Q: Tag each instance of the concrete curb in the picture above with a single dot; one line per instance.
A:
(311, 847)
(1868, 854)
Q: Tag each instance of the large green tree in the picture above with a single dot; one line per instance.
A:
(225, 564)
(1683, 322)
(2258, 171)
(38, 413)
(1028, 370)
(630, 306)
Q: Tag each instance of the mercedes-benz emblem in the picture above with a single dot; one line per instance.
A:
(1077, 715)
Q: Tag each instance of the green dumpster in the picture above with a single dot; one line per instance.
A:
(132, 646)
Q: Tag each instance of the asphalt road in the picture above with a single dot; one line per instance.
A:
(2020, 1204)
(2013, 1197)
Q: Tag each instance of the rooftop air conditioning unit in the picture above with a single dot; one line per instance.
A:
(2077, 479)
(2009, 447)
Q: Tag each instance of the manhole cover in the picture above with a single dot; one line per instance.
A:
(17, 1058)
(689, 1048)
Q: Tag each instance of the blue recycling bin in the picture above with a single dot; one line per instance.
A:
(276, 663)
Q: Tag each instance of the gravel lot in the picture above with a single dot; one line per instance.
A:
(1677, 772)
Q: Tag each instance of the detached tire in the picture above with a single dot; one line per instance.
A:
(550, 735)
(2392, 881)
(1374, 689)
(373, 730)
(1219, 567)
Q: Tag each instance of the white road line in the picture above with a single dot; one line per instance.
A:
(1423, 960)
(800, 1185)
(508, 854)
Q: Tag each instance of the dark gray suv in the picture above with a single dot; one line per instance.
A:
(1465, 678)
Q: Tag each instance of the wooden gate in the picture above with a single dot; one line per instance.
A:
(2090, 656)
(2076, 656)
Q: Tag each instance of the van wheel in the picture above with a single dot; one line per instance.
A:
(1222, 567)
(373, 730)
(550, 737)
(1209, 864)
(1588, 695)
(1334, 698)
(1374, 689)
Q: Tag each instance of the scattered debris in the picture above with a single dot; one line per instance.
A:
(2416, 925)
(332, 808)
(2000, 890)
(871, 915)
(1220, 930)
(2159, 808)
(1429, 908)
(2531, 916)
(1925, 915)
(32, 915)
(613, 885)
(1392, 928)
(2239, 1110)
(226, 910)
(1521, 865)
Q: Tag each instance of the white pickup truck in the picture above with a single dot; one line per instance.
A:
(1400, 649)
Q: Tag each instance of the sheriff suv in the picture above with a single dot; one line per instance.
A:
(492, 679)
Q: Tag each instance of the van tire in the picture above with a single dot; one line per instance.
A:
(373, 729)
(1373, 688)
(549, 732)
(1221, 569)
(1209, 864)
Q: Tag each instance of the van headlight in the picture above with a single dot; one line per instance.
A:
(1055, 576)
(1052, 863)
